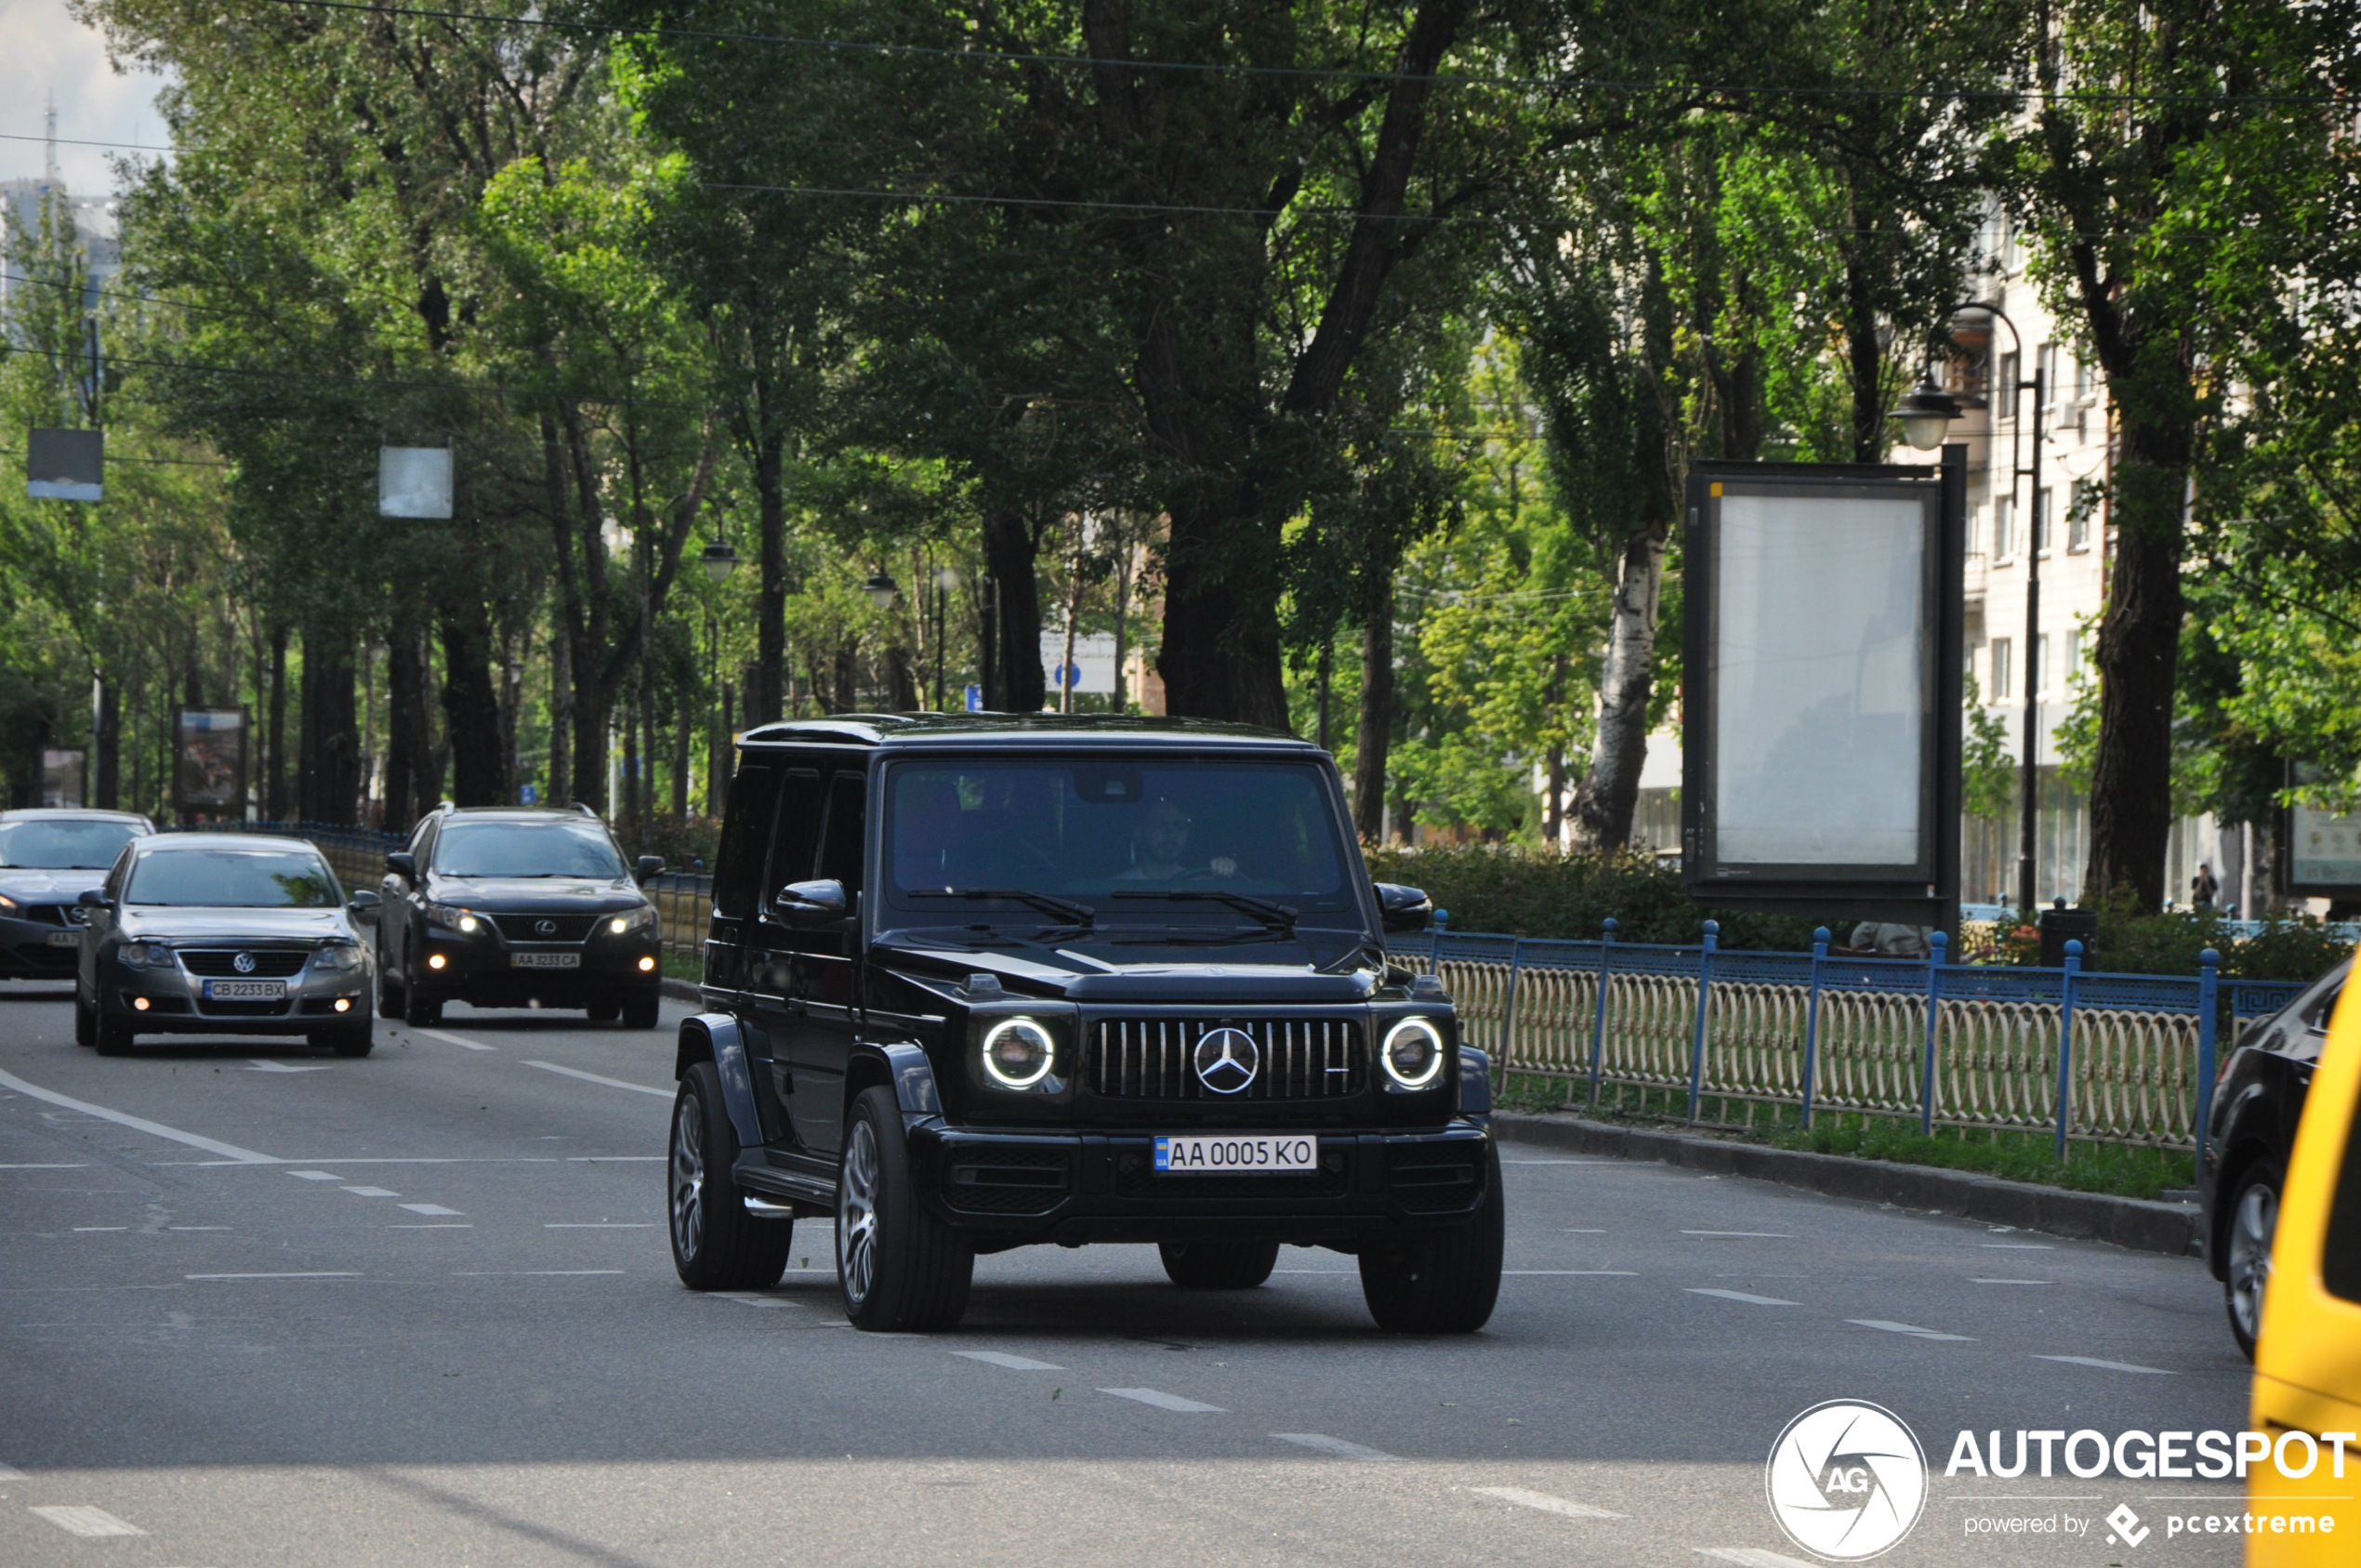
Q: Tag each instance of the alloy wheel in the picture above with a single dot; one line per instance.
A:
(688, 1177)
(2251, 1232)
(857, 1214)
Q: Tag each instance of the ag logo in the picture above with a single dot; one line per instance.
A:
(1846, 1480)
(1226, 1061)
(243, 963)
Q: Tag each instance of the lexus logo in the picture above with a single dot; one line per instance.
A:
(545, 927)
(1226, 1061)
(243, 963)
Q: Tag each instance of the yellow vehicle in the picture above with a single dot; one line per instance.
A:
(2307, 1361)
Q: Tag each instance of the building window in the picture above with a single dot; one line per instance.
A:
(2001, 691)
(2004, 390)
(2004, 527)
(2045, 360)
(2087, 495)
(2044, 502)
(2073, 658)
(1975, 527)
(2086, 378)
(2036, 674)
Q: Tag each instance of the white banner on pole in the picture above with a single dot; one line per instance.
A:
(414, 481)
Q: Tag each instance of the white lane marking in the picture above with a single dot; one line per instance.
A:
(315, 1176)
(430, 1208)
(601, 1225)
(1745, 1235)
(1739, 1296)
(530, 1273)
(82, 1228)
(10, 1473)
(746, 1300)
(1163, 1401)
(1569, 1273)
(1554, 1161)
(2011, 1282)
(44, 1167)
(140, 1124)
(85, 1521)
(1750, 1557)
(445, 1227)
(2018, 1246)
(2110, 1366)
(373, 1191)
(319, 1274)
(1334, 1445)
(196, 1227)
(595, 1079)
(1014, 1363)
(453, 1039)
(260, 1065)
(615, 1159)
(1545, 1502)
(1910, 1328)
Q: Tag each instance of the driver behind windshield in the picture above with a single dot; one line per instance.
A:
(1160, 847)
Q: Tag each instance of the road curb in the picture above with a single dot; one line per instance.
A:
(2140, 1224)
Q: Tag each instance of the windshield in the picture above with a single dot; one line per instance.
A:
(64, 844)
(227, 878)
(512, 849)
(1213, 838)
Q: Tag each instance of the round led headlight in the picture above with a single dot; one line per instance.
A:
(1412, 1054)
(1018, 1053)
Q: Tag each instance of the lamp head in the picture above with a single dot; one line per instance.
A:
(719, 562)
(882, 590)
(1926, 414)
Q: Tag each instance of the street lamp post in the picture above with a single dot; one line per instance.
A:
(944, 580)
(1923, 420)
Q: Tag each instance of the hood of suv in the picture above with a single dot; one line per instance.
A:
(35, 885)
(539, 895)
(234, 924)
(1165, 980)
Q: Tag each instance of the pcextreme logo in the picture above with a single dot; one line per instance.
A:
(1846, 1480)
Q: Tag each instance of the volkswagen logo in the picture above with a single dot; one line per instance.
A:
(545, 927)
(1226, 1061)
(243, 963)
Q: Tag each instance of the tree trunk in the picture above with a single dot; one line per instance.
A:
(330, 783)
(2139, 646)
(766, 698)
(1010, 550)
(408, 744)
(1609, 792)
(470, 706)
(106, 742)
(684, 722)
(901, 681)
(1864, 356)
(1221, 654)
(561, 779)
(1375, 731)
(717, 778)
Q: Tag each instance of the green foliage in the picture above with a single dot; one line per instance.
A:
(1542, 893)
(1988, 773)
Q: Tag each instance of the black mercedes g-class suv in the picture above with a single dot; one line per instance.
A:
(515, 908)
(981, 981)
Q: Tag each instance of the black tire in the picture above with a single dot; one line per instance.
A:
(900, 1270)
(390, 990)
(1219, 1265)
(86, 1022)
(110, 1037)
(2247, 1229)
(419, 1010)
(640, 1013)
(603, 1012)
(716, 1244)
(1441, 1281)
(347, 1040)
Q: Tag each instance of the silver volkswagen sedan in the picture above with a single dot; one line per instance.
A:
(224, 934)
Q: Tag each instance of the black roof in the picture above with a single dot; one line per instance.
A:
(1062, 731)
(517, 813)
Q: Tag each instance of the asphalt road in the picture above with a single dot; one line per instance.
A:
(259, 1306)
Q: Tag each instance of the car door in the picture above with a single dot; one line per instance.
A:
(820, 1043)
(771, 982)
(403, 913)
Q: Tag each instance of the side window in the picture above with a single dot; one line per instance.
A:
(841, 852)
(115, 877)
(2306, 1042)
(422, 844)
(746, 831)
(797, 843)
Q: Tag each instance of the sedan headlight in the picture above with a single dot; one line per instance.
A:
(145, 955)
(451, 917)
(338, 956)
(6, 902)
(641, 920)
(1412, 1054)
(1018, 1053)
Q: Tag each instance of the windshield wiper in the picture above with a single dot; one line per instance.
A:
(1279, 917)
(1074, 914)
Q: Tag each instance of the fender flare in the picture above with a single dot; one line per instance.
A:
(906, 1068)
(1475, 1083)
(719, 1037)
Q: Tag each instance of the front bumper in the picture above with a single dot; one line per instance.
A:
(176, 1003)
(1092, 1186)
(483, 969)
(25, 949)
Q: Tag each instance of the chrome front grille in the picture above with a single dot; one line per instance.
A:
(221, 963)
(1298, 1058)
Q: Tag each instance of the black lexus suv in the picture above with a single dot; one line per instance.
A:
(976, 983)
(506, 907)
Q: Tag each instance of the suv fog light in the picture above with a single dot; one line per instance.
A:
(344, 1003)
(646, 965)
(1018, 1053)
(1412, 1054)
(435, 960)
(139, 1003)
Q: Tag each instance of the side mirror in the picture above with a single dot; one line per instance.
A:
(91, 898)
(650, 865)
(364, 903)
(810, 905)
(402, 863)
(1403, 911)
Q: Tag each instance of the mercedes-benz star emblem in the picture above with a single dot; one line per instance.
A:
(1227, 1059)
(545, 927)
(243, 963)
